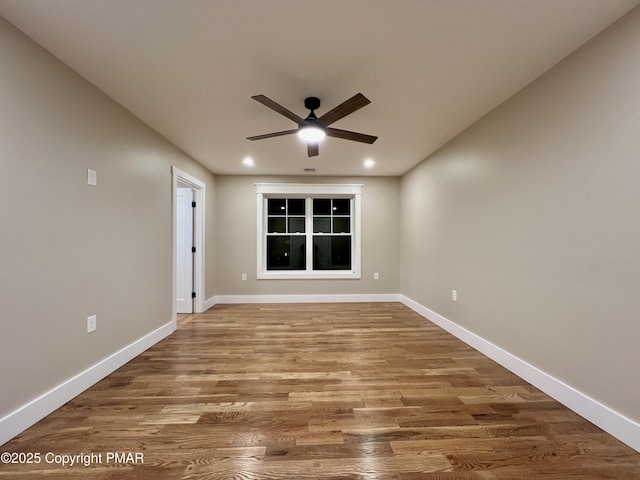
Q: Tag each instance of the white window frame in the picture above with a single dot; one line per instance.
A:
(306, 190)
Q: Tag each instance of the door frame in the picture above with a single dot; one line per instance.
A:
(199, 190)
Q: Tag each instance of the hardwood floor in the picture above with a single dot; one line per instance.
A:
(327, 391)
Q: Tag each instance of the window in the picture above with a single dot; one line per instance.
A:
(308, 231)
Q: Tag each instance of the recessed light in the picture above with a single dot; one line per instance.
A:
(369, 163)
(248, 162)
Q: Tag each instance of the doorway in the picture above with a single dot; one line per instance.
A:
(188, 204)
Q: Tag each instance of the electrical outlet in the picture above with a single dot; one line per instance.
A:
(244, 277)
(454, 295)
(92, 323)
(376, 276)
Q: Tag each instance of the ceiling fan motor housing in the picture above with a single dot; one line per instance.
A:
(312, 103)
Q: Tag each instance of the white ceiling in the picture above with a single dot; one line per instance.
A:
(430, 67)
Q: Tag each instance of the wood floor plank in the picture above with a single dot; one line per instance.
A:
(318, 391)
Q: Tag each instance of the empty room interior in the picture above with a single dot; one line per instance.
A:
(443, 283)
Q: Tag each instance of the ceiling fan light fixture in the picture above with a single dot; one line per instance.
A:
(311, 134)
(313, 129)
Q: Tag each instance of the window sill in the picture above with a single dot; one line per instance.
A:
(330, 274)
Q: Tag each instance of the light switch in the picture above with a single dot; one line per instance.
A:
(92, 323)
(92, 177)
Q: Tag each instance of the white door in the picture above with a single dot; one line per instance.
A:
(184, 274)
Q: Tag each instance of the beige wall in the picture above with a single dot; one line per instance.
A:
(532, 215)
(236, 239)
(68, 250)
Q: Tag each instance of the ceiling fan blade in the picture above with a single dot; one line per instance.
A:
(312, 149)
(271, 135)
(345, 108)
(267, 102)
(347, 135)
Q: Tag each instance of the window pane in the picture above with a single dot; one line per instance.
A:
(322, 206)
(341, 206)
(277, 225)
(276, 206)
(296, 225)
(321, 224)
(296, 206)
(342, 225)
(332, 253)
(286, 252)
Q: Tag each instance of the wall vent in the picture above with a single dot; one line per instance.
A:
(309, 170)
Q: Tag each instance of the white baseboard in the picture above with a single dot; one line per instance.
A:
(210, 302)
(624, 429)
(34, 411)
(320, 298)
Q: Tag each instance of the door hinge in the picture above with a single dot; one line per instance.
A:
(193, 249)
(193, 294)
(193, 204)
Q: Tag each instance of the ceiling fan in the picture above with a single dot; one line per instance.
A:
(313, 129)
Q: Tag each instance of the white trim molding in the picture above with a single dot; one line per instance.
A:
(624, 429)
(199, 192)
(318, 298)
(27, 415)
(210, 302)
(318, 189)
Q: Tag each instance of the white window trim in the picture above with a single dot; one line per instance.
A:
(265, 190)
